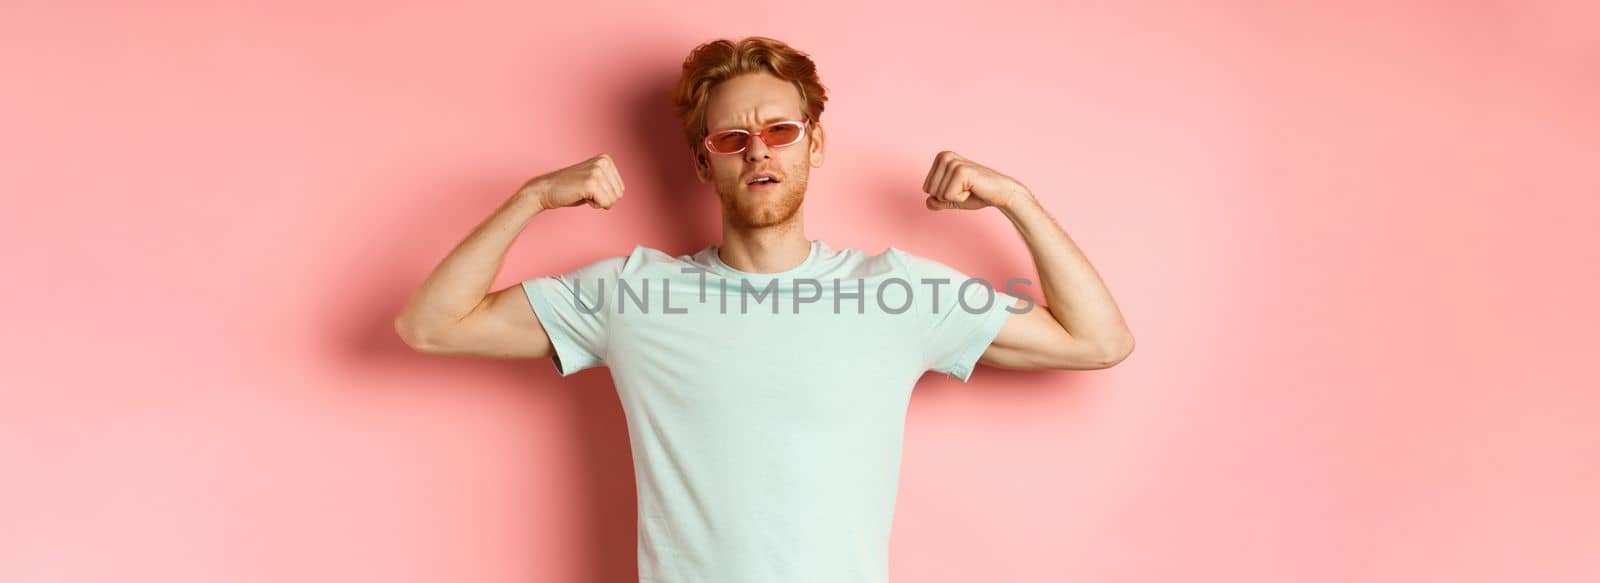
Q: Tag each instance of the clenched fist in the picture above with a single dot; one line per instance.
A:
(954, 182)
(594, 181)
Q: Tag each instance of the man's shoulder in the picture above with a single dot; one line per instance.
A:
(615, 263)
(906, 260)
(921, 266)
(644, 258)
(641, 259)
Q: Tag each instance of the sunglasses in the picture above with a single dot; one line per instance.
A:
(777, 135)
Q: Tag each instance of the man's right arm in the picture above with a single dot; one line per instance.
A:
(453, 311)
(503, 325)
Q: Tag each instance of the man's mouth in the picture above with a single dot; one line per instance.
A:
(762, 182)
(762, 178)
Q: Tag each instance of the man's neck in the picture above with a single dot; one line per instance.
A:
(769, 250)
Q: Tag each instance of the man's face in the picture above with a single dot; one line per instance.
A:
(751, 102)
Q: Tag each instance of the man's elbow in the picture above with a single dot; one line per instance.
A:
(414, 337)
(1103, 355)
(1116, 352)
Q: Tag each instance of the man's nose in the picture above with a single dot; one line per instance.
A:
(757, 150)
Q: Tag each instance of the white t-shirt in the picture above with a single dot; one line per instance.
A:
(766, 411)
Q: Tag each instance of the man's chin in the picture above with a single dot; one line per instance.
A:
(765, 213)
(761, 208)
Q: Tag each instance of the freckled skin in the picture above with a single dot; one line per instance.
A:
(748, 209)
(744, 102)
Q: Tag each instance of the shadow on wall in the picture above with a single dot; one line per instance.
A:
(688, 209)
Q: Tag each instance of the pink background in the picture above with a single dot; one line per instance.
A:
(1355, 242)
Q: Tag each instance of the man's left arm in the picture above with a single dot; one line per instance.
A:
(1079, 326)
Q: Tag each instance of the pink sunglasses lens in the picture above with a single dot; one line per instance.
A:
(781, 134)
(776, 135)
(728, 142)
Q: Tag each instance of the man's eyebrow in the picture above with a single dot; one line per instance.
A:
(768, 120)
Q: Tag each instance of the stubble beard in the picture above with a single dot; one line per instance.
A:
(750, 210)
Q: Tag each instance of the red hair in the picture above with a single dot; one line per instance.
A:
(719, 60)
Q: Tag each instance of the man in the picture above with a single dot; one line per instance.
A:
(765, 378)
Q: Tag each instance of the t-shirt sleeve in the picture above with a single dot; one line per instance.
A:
(964, 318)
(570, 308)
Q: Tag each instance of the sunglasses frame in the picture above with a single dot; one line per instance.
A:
(804, 122)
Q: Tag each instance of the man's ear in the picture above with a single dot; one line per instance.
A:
(817, 140)
(702, 166)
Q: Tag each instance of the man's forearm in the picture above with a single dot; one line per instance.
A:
(1074, 293)
(462, 279)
